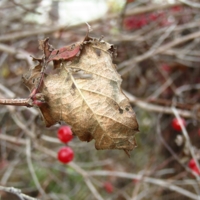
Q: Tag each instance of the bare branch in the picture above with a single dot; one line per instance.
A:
(130, 64)
(162, 183)
(161, 109)
(17, 192)
(17, 102)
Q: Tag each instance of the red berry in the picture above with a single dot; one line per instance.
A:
(108, 187)
(196, 170)
(176, 124)
(141, 22)
(166, 67)
(65, 155)
(135, 181)
(65, 134)
(176, 8)
(153, 17)
(198, 131)
(193, 166)
(192, 163)
(135, 22)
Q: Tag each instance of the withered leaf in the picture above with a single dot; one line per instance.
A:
(64, 53)
(86, 94)
(46, 47)
(58, 55)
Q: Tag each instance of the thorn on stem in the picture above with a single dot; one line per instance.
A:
(127, 152)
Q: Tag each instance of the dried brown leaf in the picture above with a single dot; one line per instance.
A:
(86, 94)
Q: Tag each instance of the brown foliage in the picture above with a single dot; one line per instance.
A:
(85, 92)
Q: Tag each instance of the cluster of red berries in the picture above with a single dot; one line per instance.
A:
(193, 166)
(135, 22)
(65, 154)
(139, 21)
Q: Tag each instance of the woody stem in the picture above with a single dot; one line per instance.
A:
(16, 102)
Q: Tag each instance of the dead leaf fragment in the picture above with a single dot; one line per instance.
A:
(64, 53)
(46, 47)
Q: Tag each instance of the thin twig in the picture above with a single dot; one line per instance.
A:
(161, 109)
(24, 34)
(17, 102)
(158, 129)
(130, 64)
(31, 168)
(161, 183)
(20, 121)
(76, 168)
(25, 8)
(17, 192)
(92, 189)
(19, 53)
(9, 171)
(190, 3)
(187, 138)
(150, 8)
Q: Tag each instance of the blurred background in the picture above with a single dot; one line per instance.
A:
(158, 47)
